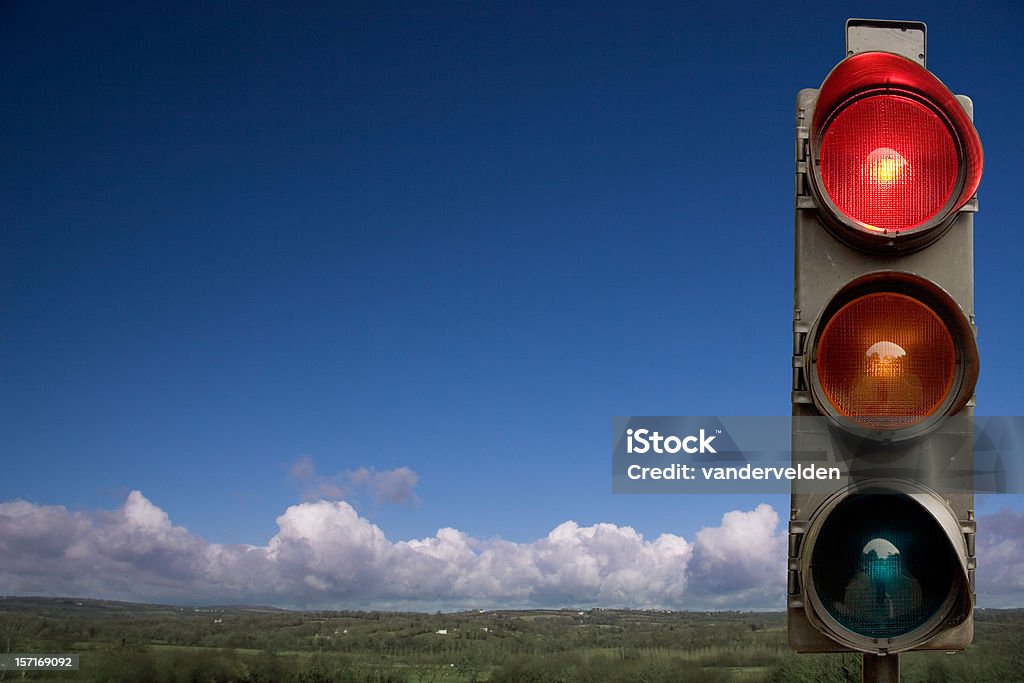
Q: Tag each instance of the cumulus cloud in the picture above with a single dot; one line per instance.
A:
(325, 554)
(385, 486)
(742, 561)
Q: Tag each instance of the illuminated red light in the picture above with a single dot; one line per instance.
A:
(894, 152)
(888, 162)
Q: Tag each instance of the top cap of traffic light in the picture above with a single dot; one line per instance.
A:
(894, 153)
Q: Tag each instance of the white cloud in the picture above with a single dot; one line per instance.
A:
(741, 562)
(324, 554)
(383, 486)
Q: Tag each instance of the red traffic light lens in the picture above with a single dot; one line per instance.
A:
(893, 153)
(886, 361)
(889, 162)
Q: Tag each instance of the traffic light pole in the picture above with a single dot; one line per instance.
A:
(881, 668)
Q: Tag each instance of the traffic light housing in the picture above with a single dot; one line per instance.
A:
(884, 357)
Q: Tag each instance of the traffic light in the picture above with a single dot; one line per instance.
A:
(885, 362)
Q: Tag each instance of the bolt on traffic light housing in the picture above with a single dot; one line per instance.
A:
(885, 363)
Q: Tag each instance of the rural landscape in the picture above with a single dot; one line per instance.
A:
(135, 642)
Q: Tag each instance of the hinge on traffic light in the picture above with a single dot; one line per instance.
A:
(804, 200)
(796, 535)
(800, 389)
(803, 196)
(969, 528)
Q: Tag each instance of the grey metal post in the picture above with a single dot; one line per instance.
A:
(881, 668)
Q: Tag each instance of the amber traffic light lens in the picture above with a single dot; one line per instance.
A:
(886, 360)
(889, 162)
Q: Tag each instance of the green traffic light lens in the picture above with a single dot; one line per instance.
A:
(882, 566)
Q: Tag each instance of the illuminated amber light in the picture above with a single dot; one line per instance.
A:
(886, 360)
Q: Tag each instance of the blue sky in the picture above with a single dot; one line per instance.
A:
(255, 255)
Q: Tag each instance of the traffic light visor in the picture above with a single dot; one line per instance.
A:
(893, 150)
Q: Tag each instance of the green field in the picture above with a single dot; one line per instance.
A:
(131, 642)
